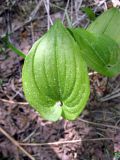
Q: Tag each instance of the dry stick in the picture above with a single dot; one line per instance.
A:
(53, 5)
(92, 73)
(67, 5)
(78, 4)
(47, 7)
(71, 11)
(32, 32)
(34, 12)
(67, 142)
(113, 92)
(109, 98)
(16, 143)
(48, 12)
(67, 15)
(29, 136)
(99, 124)
(105, 6)
(13, 102)
(112, 95)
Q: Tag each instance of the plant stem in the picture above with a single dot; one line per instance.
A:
(17, 51)
(8, 44)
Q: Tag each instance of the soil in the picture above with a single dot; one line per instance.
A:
(24, 124)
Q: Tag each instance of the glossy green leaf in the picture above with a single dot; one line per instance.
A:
(107, 23)
(54, 75)
(100, 52)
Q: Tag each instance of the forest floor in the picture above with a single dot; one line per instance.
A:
(95, 135)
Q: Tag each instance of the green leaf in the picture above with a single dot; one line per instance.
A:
(90, 13)
(108, 23)
(54, 75)
(1, 81)
(100, 52)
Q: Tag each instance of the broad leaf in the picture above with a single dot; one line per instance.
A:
(55, 79)
(100, 52)
(108, 23)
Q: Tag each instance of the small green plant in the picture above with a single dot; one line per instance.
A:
(54, 75)
(55, 78)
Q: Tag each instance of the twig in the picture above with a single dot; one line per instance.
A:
(29, 136)
(66, 14)
(71, 11)
(46, 3)
(99, 124)
(76, 22)
(66, 142)
(53, 5)
(48, 12)
(13, 102)
(34, 12)
(105, 6)
(92, 73)
(67, 5)
(109, 98)
(16, 143)
(78, 4)
(32, 33)
(114, 94)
